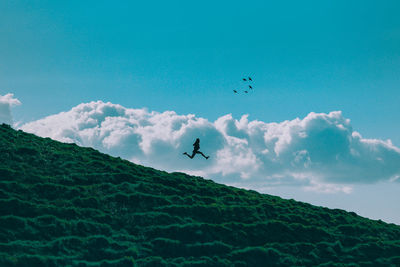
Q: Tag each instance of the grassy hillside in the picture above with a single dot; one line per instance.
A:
(61, 204)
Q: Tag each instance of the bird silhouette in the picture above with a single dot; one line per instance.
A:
(246, 92)
(244, 79)
(250, 87)
(235, 91)
(250, 79)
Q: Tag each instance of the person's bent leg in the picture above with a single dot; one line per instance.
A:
(201, 153)
(185, 153)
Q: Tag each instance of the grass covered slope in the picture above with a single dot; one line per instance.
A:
(61, 204)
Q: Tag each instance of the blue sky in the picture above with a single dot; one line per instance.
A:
(185, 56)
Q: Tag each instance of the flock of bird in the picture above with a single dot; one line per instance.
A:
(248, 79)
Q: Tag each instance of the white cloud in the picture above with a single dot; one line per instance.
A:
(328, 188)
(6, 102)
(320, 152)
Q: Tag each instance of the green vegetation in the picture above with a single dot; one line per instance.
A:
(61, 204)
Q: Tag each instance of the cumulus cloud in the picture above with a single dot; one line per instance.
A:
(6, 102)
(320, 152)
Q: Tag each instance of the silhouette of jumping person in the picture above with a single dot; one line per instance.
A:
(196, 147)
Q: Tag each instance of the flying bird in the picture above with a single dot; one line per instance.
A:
(250, 87)
(250, 79)
(235, 91)
(244, 79)
(246, 92)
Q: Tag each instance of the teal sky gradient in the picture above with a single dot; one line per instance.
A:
(305, 56)
(188, 56)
